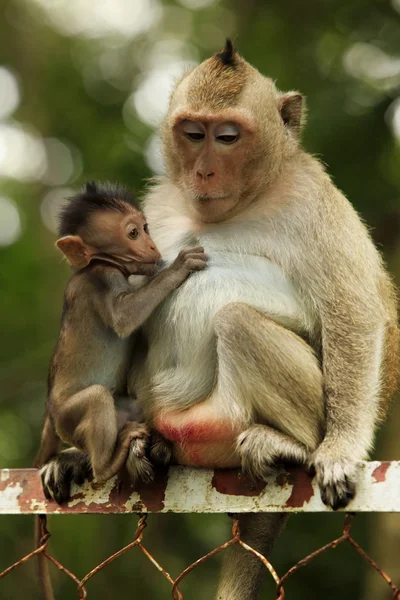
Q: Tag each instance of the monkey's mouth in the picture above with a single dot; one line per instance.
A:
(206, 199)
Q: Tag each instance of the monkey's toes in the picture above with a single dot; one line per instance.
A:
(160, 451)
(339, 493)
(70, 466)
(257, 462)
(137, 464)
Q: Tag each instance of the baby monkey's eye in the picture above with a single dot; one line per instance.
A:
(146, 229)
(133, 234)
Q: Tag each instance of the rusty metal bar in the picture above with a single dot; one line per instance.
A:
(184, 490)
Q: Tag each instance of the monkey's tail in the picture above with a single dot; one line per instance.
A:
(46, 587)
(49, 446)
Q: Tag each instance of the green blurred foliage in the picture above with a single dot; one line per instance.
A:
(78, 67)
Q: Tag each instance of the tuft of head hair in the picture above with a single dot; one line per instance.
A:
(94, 197)
(218, 81)
(228, 56)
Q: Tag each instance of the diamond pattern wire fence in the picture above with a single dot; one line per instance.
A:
(236, 539)
(379, 491)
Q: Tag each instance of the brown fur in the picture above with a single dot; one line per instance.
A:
(87, 405)
(217, 85)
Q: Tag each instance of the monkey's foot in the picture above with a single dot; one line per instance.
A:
(337, 480)
(137, 464)
(160, 449)
(260, 448)
(69, 466)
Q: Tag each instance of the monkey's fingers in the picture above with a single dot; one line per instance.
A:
(337, 481)
(194, 250)
(199, 256)
(339, 494)
(195, 264)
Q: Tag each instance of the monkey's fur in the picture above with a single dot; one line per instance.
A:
(286, 347)
(290, 336)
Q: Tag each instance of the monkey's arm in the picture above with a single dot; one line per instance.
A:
(125, 310)
(344, 275)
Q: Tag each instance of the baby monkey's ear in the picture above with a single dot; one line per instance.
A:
(75, 250)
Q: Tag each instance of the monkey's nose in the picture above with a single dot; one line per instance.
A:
(204, 175)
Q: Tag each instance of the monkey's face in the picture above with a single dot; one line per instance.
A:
(214, 163)
(119, 238)
(228, 134)
(125, 238)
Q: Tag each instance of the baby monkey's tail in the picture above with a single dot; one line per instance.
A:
(49, 446)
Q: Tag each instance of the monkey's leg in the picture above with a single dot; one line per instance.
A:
(273, 376)
(88, 420)
(267, 371)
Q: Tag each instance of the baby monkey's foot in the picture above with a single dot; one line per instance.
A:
(137, 464)
(160, 449)
(69, 466)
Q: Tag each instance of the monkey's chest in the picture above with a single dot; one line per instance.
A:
(236, 277)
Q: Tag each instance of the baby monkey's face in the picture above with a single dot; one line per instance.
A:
(123, 236)
(120, 237)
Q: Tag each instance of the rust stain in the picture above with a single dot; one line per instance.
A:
(29, 481)
(232, 482)
(379, 474)
(121, 492)
(153, 494)
(302, 491)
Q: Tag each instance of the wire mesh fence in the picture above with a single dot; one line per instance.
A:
(137, 542)
(379, 491)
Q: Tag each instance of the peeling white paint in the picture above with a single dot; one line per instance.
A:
(9, 504)
(5, 475)
(93, 492)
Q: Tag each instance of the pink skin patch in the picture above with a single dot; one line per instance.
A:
(200, 437)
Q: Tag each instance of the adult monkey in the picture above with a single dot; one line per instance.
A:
(286, 346)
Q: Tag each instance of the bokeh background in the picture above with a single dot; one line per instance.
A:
(83, 86)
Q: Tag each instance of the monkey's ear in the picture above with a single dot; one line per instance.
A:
(291, 107)
(75, 250)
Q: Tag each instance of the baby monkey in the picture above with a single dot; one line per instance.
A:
(105, 237)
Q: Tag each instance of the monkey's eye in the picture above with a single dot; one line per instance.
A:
(227, 133)
(146, 229)
(227, 139)
(133, 234)
(196, 137)
(193, 131)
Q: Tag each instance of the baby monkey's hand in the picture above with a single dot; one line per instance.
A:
(189, 260)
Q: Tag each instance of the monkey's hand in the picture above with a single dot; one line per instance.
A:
(189, 260)
(336, 477)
